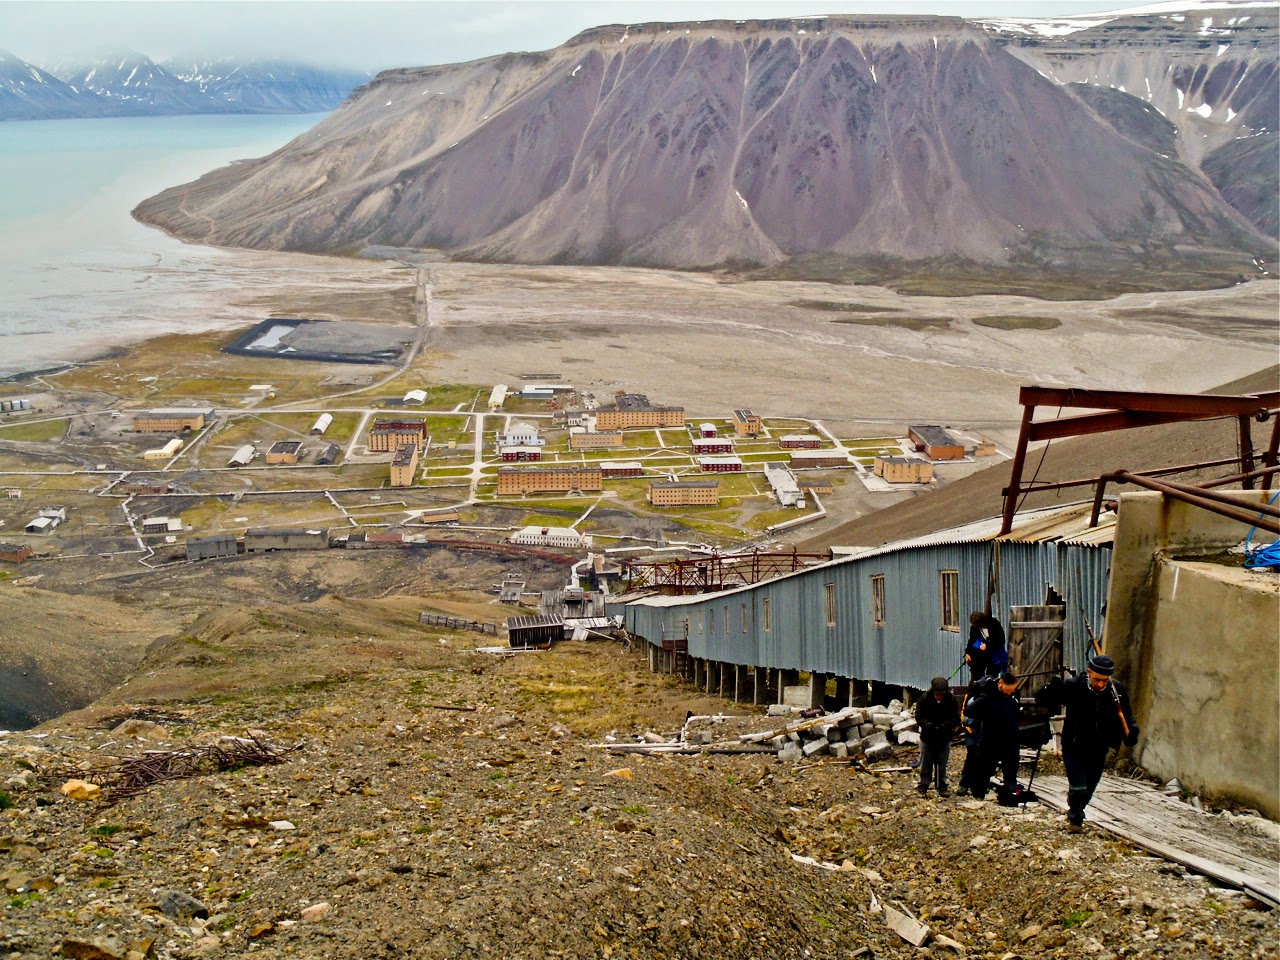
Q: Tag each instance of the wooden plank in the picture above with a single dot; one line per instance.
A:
(1174, 831)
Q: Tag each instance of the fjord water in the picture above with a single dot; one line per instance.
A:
(77, 273)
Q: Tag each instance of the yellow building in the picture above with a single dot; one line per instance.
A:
(404, 465)
(164, 453)
(632, 410)
(388, 435)
(595, 441)
(904, 469)
(747, 424)
(170, 421)
(515, 481)
(674, 493)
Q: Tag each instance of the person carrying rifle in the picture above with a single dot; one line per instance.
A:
(1098, 719)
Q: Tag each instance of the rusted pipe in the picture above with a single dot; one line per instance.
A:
(1268, 508)
(1248, 517)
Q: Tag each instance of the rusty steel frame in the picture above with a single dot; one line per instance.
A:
(716, 572)
(1124, 410)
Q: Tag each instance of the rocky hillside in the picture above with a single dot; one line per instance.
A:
(703, 144)
(133, 85)
(440, 802)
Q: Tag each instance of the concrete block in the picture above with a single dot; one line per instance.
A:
(874, 740)
(905, 725)
(779, 742)
(790, 753)
(815, 747)
(879, 751)
(835, 734)
(908, 736)
(780, 710)
(839, 749)
(866, 729)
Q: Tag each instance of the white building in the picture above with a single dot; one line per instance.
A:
(42, 525)
(521, 435)
(162, 525)
(785, 486)
(244, 456)
(497, 398)
(415, 396)
(53, 513)
(322, 424)
(550, 537)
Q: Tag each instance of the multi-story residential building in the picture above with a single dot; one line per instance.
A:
(516, 481)
(173, 420)
(683, 493)
(404, 465)
(747, 424)
(631, 410)
(387, 435)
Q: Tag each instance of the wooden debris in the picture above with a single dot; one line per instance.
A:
(906, 926)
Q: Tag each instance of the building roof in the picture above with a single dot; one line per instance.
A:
(816, 454)
(621, 465)
(177, 412)
(282, 532)
(415, 396)
(901, 460)
(672, 484)
(547, 532)
(286, 446)
(213, 538)
(742, 414)
(737, 460)
(404, 455)
(388, 426)
(933, 435)
(634, 402)
(586, 468)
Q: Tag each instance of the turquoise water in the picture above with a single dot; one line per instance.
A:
(77, 273)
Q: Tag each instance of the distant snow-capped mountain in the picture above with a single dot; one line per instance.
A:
(132, 84)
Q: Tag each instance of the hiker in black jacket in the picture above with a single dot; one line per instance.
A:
(1099, 719)
(998, 744)
(938, 716)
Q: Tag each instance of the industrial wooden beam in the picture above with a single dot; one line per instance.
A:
(1196, 404)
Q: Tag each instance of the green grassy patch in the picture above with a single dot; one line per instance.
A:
(1018, 322)
(839, 306)
(40, 431)
(906, 323)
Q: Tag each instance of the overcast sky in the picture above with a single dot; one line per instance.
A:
(377, 34)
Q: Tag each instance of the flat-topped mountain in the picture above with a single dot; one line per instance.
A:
(760, 142)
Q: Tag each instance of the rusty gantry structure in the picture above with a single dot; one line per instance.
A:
(1123, 410)
(715, 572)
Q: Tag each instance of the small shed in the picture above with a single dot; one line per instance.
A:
(415, 396)
(538, 631)
(242, 457)
(322, 424)
(42, 525)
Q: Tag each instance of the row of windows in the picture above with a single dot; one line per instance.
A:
(949, 589)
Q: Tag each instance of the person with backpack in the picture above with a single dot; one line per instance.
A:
(985, 653)
(938, 716)
(1098, 719)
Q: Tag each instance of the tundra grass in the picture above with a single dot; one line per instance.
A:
(1018, 322)
(41, 431)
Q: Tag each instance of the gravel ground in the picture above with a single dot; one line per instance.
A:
(402, 828)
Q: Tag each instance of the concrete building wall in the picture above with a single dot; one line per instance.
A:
(1211, 687)
(613, 419)
(513, 481)
(1197, 644)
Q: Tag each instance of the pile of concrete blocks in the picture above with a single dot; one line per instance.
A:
(870, 732)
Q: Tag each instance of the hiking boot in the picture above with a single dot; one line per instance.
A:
(923, 791)
(944, 793)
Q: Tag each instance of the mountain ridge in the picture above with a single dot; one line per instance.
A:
(708, 144)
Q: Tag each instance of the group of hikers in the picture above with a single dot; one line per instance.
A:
(1098, 719)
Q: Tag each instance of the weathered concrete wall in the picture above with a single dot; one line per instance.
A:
(1213, 683)
(1200, 661)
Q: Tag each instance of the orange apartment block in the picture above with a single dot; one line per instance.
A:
(595, 441)
(404, 465)
(689, 493)
(935, 442)
(747, 424)
(516, 481)
(387, 435)
(630, 410)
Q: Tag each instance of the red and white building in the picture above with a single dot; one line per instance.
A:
(720, 464)
(710, 445)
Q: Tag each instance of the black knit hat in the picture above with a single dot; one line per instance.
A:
(1102, 665)
(939, 685)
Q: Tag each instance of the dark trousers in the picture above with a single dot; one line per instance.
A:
(1084, 770)
(933, 764)
(991, 759)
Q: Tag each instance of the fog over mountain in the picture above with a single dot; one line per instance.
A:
(757, 142)
(132, 85)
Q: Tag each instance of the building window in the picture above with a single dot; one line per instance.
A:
(831, 604)
(950, 582)
(768, 617)
(744, 618)
(728, 624)
(877, 599)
